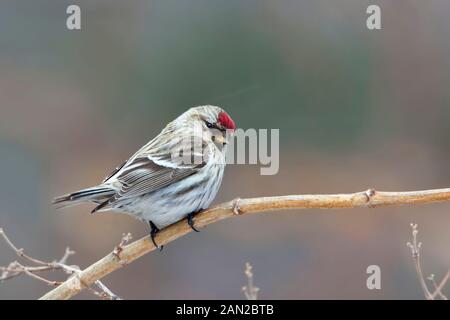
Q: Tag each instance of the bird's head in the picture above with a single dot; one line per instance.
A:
(216, 125)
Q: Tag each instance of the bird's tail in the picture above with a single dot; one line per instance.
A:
(95, 194)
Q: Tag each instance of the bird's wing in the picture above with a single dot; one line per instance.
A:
(147, 174)
(149, 170)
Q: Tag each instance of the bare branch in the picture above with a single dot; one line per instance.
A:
(106, 292)
(15, 268)
(415, 247)
(35, 276)
(415, 251)
(133, 251)
(438, 290)
(18, 251)
(66, 255)
(250, 291)
(436, 287)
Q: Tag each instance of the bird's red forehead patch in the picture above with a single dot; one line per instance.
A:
(225, 120)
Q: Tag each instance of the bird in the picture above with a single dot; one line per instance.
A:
(173, 177)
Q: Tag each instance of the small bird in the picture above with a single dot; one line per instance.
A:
(172, 177)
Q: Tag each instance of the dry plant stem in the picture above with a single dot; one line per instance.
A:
(438, 289)
(131, 252)
(415, 247)
(20, 252)
(250, 291)
(15, 268)
(415, 251)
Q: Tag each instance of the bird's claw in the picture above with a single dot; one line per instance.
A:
(154, 230)
(190, 220)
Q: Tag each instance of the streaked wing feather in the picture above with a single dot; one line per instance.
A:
(145, 176)
(117, 169)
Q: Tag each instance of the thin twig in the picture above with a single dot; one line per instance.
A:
(33, 275)
(19, 252)
(436, 288)
(250, 291)
(105, 290)
(133, 251)
(15, 268)
(441, 285)
(415, 251)
(415, 247)
(66, 255)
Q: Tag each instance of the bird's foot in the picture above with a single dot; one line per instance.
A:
(190, 219)
(153, 231)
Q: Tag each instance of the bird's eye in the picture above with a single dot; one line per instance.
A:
(209, 125)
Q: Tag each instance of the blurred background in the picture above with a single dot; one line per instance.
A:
(355, 108)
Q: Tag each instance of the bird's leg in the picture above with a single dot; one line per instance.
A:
(190, 219)
(154, 230)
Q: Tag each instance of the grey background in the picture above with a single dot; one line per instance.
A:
(355, 109)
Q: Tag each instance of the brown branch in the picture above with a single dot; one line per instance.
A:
(131, 252)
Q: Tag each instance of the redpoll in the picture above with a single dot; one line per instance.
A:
(174, 176)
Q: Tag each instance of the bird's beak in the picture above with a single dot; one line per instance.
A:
(220, 139)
